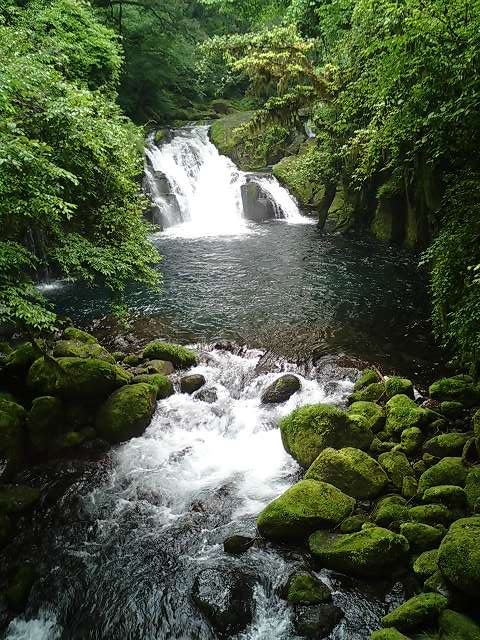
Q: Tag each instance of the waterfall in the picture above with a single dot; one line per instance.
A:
(194, 188)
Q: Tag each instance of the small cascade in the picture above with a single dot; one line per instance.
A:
(192, 185)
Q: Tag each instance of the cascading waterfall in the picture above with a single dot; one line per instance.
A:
(192, 185)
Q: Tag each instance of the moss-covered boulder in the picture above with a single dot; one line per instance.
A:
(19, 587)
(369, 552)
(306, 506)
(191, 383)
(395, 386)
(373, 413)
(451, 410)
(409, 487)
(18, 362)
(164, 367)
(430, 514)
(388, 634)
(397, 467)
(351, 470)
(426, 564)
(290, 172)
(161, 384)
(372, 393)
(281, 390)
(450, 470)
(16, 499)
(419, 611)
(310, 429)
(447, 444)
(472, 489)
(459, 556)
(12, 418)
(403, 413)
(456, 626)
(126, 413)
(458, 389)
(390, 511)
(421, 537)
(382, 446)
(78, 349)
(305, 588)
(237, 544)
(72, 333)
(44, 421)
(411, 441)
(366, 378)
(76, 378)
(447, 494)
(353, 523)
(179, 356)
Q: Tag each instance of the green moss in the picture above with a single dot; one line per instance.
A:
(17, 499)
(451, 409)
(76, 378)
(310, 429)
(458, 389)
(472, 489)
(304, 588)
(290, 172)
(161, 384)
(381, 446)
(5, 349)
(447, 494)
(449, 470)
(409, 487)
(403, 413)
(373, 413)
(306, 506)
(77, 349)
(18, 362)
(476, 423)
(396, 385)
(411, 440)
(232, 143)
(180, 357)
(421, 537)
(372, 393)
(350, 470)
(456, 626)
(419, 611)
(390, 511)
(352, 524)
(159, 366)
(446, 444)
(388, 634)
(19, 587)
(12, 416)
(367, 377)
(426, 564)
(396, 466)
(72, 333)
(430, 514)
(132, 360)
(459, 556)
(44, 421)
(126, 413)
(6, 395)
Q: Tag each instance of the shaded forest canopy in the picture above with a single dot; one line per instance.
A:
(390, 88)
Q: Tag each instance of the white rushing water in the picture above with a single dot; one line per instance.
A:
(198, 191)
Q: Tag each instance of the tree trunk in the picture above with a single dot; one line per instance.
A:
(325, 204)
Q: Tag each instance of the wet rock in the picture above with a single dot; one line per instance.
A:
(257, 205)
(350, 470)
(17, 499)
(19, 587)
(370, 552)
(225, 598)
(306, 589)
(422, 537)
(390, 512)
(72, 333)
(459, 558)
(179, 356)
(419, 611)
(190, 384)
(396, 385)
(306, 506)
(316, 621)
(207, 395)
(237, 544)
(44, 422)
(454, 625)
(162, 385)
(426, 564)
(449, 470)
(126, 413)
(164, 367)
(459, 388)
(373, 413)
(78, 349)
(372, 393)
(281, 390)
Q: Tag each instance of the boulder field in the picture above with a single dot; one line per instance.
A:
(392, 484)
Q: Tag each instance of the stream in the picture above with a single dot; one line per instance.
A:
(119, 552)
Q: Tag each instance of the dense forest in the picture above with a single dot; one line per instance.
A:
(390, 88)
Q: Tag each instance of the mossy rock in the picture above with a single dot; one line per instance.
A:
(372, 393)
(76, 378)
(447, 444)
(352, 524)
(457, 389)
(409, 487)
(472, 489)
(476, 423)
(459, 556)
(289, 172)
(306, 506)
(366, 378)
(161, 384)
(388, 634)
(44, 421)
(421, 537)
(305, 588)
(5, 348)
(403, 413)
(19, 587)
(419, 611)
(411, 440)
(373, 413)
(9, 397)
(12, 417)
(451, 410)
(381, 446)
(281, 390)
(224, 135)
(450, 470)
(426, 564)
(395, 386)
(78, 349)
(351, 470)
(180, 357)
(126, 413)
(446, 494)
(17, 499)
(397, 467)
(18, 362)
(310, 429)
(457, 626)
(164, 367)
(430, 514)
(6, 530)
(369, 552)
(132, 360)
(237, 544)
(390, 511)
(191, 383)
(72, 333)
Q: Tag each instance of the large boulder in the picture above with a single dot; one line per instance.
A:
(403, 413)
(79, 349)
(426, 564)
(257, 205)
(390, 512)
(450, 470)
(76, 378)
(351, 470)
(179, 356)
(281, 390)
(161, 384)
(397, 467)
(303, 508)
(44, 421)
(305, 588)
(421, 537)
(458, 389)
(126, 413)
(372, 393)
(372, 412)
(459, 556)
(225, 598)
(310, 429)
(456, 626)
(396, 386)
(190, 384)
(72, 333)
(447, 444)
(419, 611)
(316, 622)
(430, 514)
(472, 489)
(451, 496)
(369, 552)
(18, 362)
